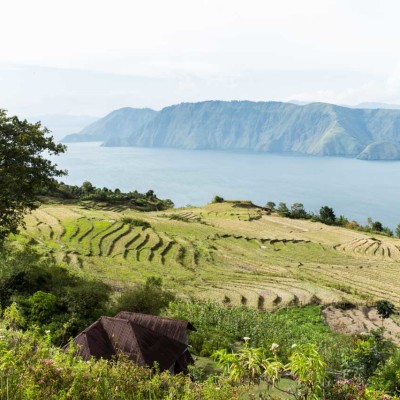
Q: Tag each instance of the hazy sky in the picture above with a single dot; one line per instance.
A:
(90, 57)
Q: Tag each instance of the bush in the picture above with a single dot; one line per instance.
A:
(135, 222)
(282, 210)
(327, 216)
(48, 296)
(345, 305)
(148, 298)
(217, 199)
(42, 307)
(35, 370)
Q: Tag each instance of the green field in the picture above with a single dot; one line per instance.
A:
(231, 251)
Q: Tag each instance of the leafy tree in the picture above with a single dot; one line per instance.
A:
(369, 354)
(398, 231)
(49, 296)
(327, 216)
(271, 205)
(377, 226)
(250, 365)
(42, 306)
(87, 187)
(13, 317)
(297, 211)
(387, 375)
(23, 169)
(150, 194)
(217, 199)
(283, 210)
(385, 308)
(342, 221)
(387, 231)
(150, 298)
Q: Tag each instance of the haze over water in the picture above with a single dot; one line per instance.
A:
(354, 188)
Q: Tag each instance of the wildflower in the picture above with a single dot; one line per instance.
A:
(246, 338)
(274, 348)
(47, 331)
(294, 345)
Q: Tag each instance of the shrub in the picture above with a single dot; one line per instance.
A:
(32, 369)
(49, 296)
(283, 210)
(385, 308)
(345, 305)
(270, 205)
(135, 222)
(217, 199)
(148, 298)
(327, 216)
(42, 307)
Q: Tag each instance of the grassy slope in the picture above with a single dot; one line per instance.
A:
(238, 252)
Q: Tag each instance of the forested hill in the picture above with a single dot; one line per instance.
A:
(313, 129)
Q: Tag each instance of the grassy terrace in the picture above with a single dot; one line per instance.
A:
(230, 252)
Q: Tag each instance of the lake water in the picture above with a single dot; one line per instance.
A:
(354, 188)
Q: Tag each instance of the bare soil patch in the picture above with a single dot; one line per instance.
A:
(360, 320)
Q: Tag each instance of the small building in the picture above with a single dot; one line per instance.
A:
(144, 339)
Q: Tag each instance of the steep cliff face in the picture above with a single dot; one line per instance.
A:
(314, 129)
(380, 151)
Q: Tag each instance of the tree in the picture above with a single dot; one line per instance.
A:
(282, 209)
(398, 230)
(327, 216)
(42, 306)
(297, 211)
(23, 169)
(217, 199)
(342, 221)
(377, 226)
(385, 308)
(13, 318)
(88, 187)
(149, 298)
(271, 205)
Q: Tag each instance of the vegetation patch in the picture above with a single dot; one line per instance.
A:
(135, 222)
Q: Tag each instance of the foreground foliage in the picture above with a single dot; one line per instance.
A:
(23, 169)
(48, 296)
(293, 343)
(31, 369)
(221, 327)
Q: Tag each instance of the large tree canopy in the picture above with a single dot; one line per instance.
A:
(24, 169)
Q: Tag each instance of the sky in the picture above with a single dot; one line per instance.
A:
(90, 57)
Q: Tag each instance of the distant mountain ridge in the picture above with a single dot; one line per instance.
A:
(118, 124)
(312, 129)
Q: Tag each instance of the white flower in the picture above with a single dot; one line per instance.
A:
(47, 332)
(294, 345)
(246, 338)
(274, 347)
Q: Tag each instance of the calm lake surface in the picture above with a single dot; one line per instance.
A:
(354, 188)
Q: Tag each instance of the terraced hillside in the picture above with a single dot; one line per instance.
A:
(231, 252)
